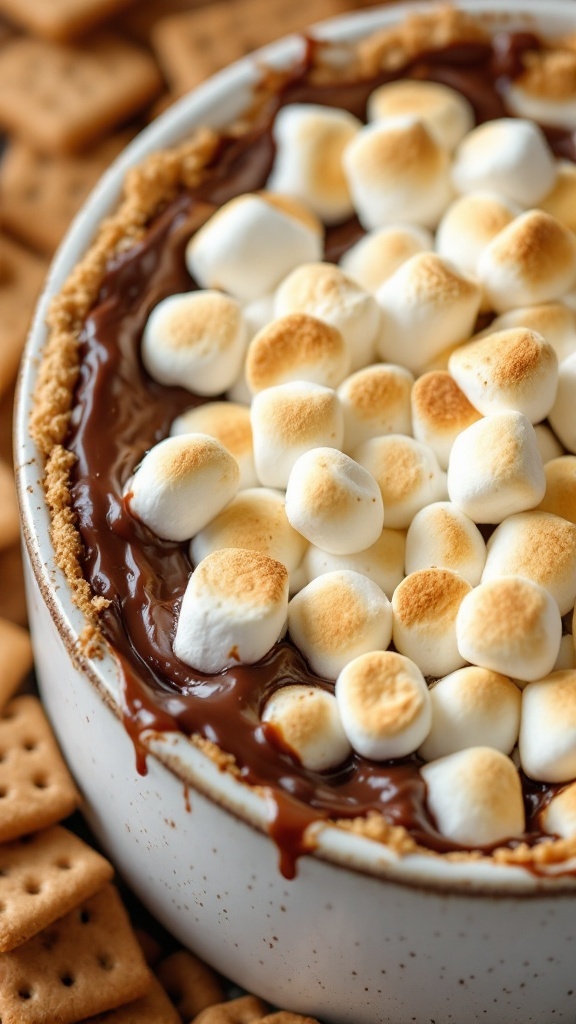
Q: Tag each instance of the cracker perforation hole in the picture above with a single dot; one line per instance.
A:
(8, 714)
(85, 916)
(25, 993)
(29, 745)
(68, 980)
(32, 887)
(3, 792)
(105, 962)
(40, 782)
(63, 864)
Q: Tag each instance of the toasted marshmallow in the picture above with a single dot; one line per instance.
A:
(382, 562)
(251, 243)
(396, 171)
(324, 291)
(425, 606)
(511, 625)
(513, 369)
(233, 610)
(181, 484)
(475, 796)
(440, 411)
(447, 114)
(539, 546)
(548, 444)
(334, 502)
(561, 201)
(375, 401)
(559, 816)
(384, 705)
(472, 707)
(553, 320)
(229, 423)
(196, 340)
(306, 721)
(296, 347)
(509, 156)
(337, 617)
(561, 416)
(441, 535)
(469, 224)
(544, 91)
(255, 520)
(560, 497)
(288, 420)
(532, 260)
(548, 728)
(566, 654)
(407, 473)
(495, 468)
(426, 307)
(374, 258)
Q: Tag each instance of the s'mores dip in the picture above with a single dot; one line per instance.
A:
(307, 410)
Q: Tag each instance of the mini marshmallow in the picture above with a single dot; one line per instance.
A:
(425, 606)
(509, 156)
(469, 224)
(561, 201)
(375, 257)
(548, 444)
(181, 484)
(306, 720)
(384, 705)
(510, 625)
(396, 171)
(472, 707)
(296, 347)
(288, 420)
(382, 562)
(255, 520)
(310, 140)
(559, 816)
(324, 291)
(427, 306)
(441, 535)
(233, 610)
(337, 617)
(495, 469)
(530, 261)
(548, 728)
(440, 411)
(447, 114)
(561, 416)
(408, 475)
(251, 243)
(544, 91)
(560, 497)
(334, 502)
(566, 654)
(475, 797)
(229, 423)
(553, 320)
(513, 369)
(539, 546)
(375, 401)
(196, 340)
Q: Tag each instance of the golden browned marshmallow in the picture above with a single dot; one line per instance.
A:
(375, 401)
(447, 114)
(548, 728)
(548, 444)
(469, 224)
(382, 562)
(441, 535)
(296, 347)
(561, 416)
(425, 606)
(375, 257)
(555, 321)
(561, 201)
(306, 720)
(229, 423)
(545, 90)
(408, 475)
(509, 156)
(440, 411)
(559, 816)
(560, 497)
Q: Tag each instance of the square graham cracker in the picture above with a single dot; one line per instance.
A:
(153, 1008)
(21, 278)
(12, 592)
(9, 514)
(61, 19)
(15, 659)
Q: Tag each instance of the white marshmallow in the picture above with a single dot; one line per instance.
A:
(337, 617)
(566, 655)
(447, 114)
(251, 243)
(475, 797)
(426, 307)
(196, 340)
(384, 705)
(425, 606)
(548, 728)
(511, 625)
(306, 720)
(288, 420)
(382, 562)
(560, 497)
(407, 473)
(297, 347)
(310, 140)
(513, 369)
(495, 468)
(324, 291)
(559, 816)
(181, 484)
(539, 546)
(553, 320)
(469, 224)
(561, 416)
(375, 257)
(396, 171)
(233, 610)
(561, 201)
(530, 261)
(440, 411)
(259, 313)
(441, 535)
(229, 423)
(375, 401)
(548, 444)
(509, 156)
(544, 91)
(334, 502)
(472, 707)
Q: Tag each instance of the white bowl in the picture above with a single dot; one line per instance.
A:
(359, 935)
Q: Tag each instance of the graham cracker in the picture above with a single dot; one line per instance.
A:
(21, 278)
(43, 877)
(139, 20)
(153, 1008)
(9, 513)
(6, 424)
(15, 661)
(190, 983)
(243, 1010)
(86, 963)
(12, 593)
(61, 19)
